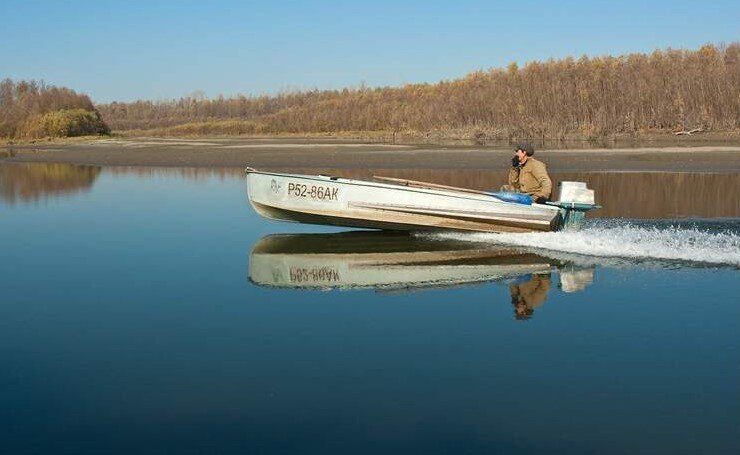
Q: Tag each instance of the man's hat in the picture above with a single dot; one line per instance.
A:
(525, 147)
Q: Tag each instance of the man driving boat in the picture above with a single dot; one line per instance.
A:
(529, 175)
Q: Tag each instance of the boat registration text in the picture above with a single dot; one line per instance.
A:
(313, 274)
(318, 192)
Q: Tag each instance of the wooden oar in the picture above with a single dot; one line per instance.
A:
(417, 184)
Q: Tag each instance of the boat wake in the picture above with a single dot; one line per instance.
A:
(618, 242)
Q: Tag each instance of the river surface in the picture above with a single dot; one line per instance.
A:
(152, 311)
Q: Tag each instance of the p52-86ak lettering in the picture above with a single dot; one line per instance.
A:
(317, 192)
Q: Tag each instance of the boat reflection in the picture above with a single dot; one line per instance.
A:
(391, 261)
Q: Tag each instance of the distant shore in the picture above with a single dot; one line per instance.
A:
(340, 153)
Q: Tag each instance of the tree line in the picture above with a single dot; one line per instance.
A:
(588, 97)
(32, 109)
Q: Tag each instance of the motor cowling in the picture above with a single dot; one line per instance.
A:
(575, 200)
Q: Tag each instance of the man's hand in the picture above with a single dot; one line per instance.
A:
(540, 199)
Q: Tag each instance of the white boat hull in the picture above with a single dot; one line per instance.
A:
(374, 205)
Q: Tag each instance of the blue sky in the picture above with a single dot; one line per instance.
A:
(166, 49)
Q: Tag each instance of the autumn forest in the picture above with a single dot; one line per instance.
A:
(587, 97)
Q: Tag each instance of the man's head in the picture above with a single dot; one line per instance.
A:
(521, 311)
(524, 151)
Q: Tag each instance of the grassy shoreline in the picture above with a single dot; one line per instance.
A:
(652, 138)
(320, 155)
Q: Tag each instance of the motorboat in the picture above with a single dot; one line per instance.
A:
(399, 204)
(395, 260)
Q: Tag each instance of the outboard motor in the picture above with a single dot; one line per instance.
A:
(575, 200)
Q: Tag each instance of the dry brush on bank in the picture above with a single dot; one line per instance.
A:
(590, 97)
(30, 109)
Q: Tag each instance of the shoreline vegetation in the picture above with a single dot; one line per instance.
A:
(321, 155)
(664, 93)
(669, 142)
(32, 110)
(665, 97)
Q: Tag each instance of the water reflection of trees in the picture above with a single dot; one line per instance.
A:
(189, 173)
(29, 182)
(622, 194)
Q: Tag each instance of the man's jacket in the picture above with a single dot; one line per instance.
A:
(533, 293)
(531, 178)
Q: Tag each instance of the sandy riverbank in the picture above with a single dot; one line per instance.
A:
(311, 153)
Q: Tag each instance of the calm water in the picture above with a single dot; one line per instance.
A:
(152, 311)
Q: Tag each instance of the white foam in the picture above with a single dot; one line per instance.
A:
(625, 240)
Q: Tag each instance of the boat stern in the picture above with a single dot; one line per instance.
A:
(575, 200)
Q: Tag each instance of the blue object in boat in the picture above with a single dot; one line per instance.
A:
(521, 279)
(517, 198)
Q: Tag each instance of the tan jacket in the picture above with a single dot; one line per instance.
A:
(531, 294)
(531, 179)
